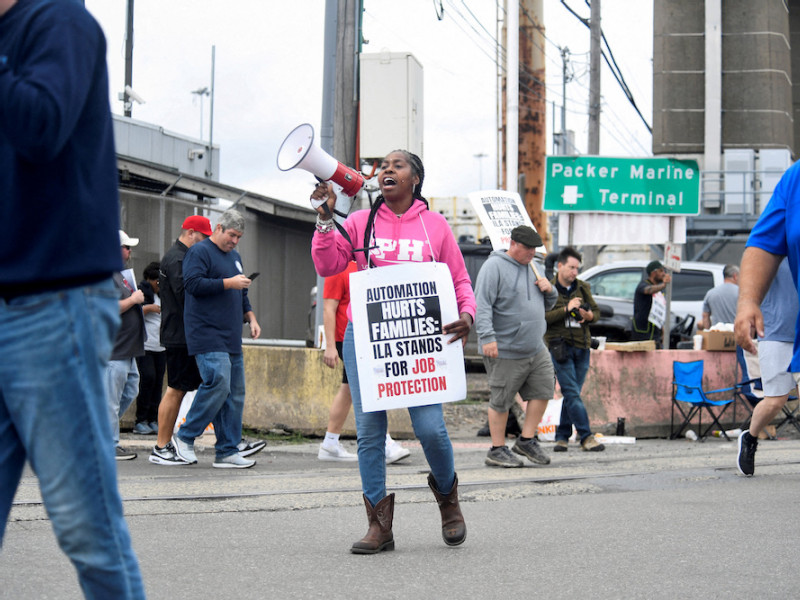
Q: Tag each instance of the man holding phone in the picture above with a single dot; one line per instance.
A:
(216, 306)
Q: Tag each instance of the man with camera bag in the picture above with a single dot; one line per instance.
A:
(510, 324)
(569, 340)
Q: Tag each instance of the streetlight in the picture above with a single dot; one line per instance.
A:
(480, 156)
(204, 91)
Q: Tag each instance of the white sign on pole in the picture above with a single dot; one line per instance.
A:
(402, 353)
(672, 256)
(604, 229)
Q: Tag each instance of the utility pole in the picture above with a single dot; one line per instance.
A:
(532, 124)
(512, 95)
(590, 252)
(209, 164)
(127, 102)
(563, 145)
(594, 79)
(342, 48)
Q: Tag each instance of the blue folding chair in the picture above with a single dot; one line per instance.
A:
(687, 389)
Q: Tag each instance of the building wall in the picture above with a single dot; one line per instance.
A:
(678, 76)
(278, 248)
(756, 75)
(757, 82)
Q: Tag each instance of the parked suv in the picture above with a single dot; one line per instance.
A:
(614, 284)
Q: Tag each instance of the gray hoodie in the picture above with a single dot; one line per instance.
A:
(511, 307)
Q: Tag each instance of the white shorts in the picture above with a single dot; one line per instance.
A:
(774, 359)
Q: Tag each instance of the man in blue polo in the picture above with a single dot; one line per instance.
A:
(216, 305)
(775, 235)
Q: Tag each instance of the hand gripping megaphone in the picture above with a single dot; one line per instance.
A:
(298, 150)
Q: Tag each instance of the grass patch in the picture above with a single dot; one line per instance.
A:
(290, 437)
(470, 401)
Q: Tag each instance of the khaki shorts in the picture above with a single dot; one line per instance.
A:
(533, 378)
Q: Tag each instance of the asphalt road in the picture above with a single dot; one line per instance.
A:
(656, 519)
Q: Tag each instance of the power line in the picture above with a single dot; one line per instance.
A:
(615, 71)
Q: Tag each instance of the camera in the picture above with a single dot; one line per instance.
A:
(577, 315)
(595, 344)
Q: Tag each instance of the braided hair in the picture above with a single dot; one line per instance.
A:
(419, 170)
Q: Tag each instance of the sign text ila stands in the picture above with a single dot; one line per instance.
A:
(646, 186)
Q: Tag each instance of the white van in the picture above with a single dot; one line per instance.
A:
(614, 284)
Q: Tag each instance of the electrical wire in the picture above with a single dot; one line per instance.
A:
(615, 71)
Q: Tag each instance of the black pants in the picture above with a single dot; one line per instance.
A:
(151, 384)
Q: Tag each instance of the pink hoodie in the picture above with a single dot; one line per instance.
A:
(399, 239)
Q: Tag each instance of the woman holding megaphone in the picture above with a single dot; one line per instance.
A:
(399, 228)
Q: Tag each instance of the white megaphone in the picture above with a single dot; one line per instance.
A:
(298, 150)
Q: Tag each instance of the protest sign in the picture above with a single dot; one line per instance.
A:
(402, 353)
(499, 212)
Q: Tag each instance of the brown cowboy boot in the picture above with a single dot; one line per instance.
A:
(454, 530)
(379, 535)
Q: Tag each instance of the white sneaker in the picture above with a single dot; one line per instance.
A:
(395, 452)
(234, 461)
(183, 450)
(335, 453)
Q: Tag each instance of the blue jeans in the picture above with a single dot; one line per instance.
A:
(429, 427)
(571, 374)
(219, 400)
(122, 387)
(55, 346)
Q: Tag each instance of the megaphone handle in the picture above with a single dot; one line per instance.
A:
(324, 203)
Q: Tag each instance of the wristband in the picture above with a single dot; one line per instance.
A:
(324, 225)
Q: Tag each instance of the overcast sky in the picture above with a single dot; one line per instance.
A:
(268, 78)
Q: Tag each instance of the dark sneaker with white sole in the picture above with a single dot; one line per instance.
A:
(746, 461)
(502, 457)
(532, 451)
(253, 447)
(123, 454)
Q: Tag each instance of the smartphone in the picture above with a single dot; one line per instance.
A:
(253, 275)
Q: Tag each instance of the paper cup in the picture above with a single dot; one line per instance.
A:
(698, 342)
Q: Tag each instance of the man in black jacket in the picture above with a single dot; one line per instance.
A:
(182, 373)
(569, 340)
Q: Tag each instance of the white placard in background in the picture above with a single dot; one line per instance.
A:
(402, 354)
(499, 212)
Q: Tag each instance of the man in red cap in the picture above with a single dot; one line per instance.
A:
(182, 373)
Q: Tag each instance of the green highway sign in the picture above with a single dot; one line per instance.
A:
(642, 186)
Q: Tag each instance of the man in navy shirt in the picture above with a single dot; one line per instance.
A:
(216, 305)
(59, 311)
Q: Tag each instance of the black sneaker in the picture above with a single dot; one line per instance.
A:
(502, 457)
(746, 461)
(532, 450)
(247, 448)
(123, 454)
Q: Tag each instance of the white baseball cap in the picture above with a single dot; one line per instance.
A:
(124, 240)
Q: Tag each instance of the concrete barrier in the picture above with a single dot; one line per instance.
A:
(638, 387)
(292, 387)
